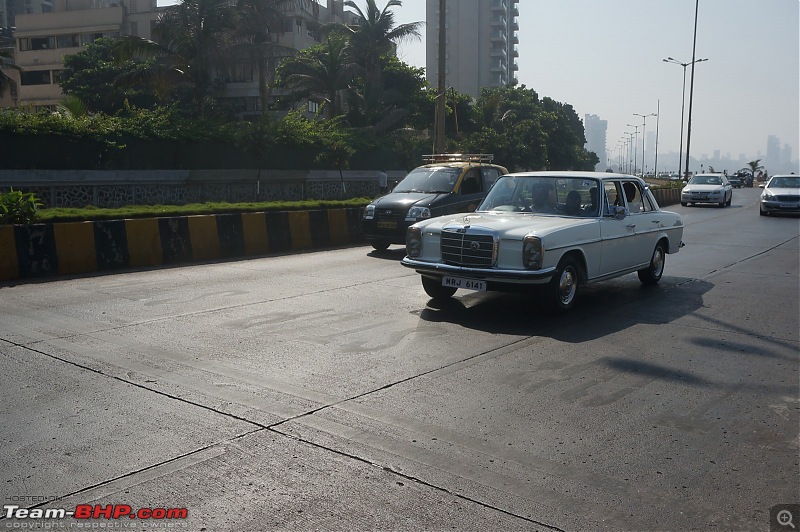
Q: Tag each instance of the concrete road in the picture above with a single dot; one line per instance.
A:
(325, 391)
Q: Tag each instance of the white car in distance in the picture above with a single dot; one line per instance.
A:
(551, 231)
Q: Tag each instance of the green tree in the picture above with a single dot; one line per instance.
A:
(325, 72)
(373, 35)
(192, 41)
(755, 166)
(258, 23)
(90, 75)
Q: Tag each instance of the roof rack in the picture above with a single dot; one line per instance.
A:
(458, 157)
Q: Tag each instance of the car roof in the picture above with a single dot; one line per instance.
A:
(605, 176)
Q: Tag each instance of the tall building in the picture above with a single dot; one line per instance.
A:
(481, 44)
(595, 130)
(773, 158)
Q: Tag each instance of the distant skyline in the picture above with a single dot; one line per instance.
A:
(605, 58)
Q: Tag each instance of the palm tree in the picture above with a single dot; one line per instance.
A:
(258, 24)
(325, 71)
(373, 35)
(191, 41)
(755, 166)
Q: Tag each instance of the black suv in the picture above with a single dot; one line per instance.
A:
(447, 184)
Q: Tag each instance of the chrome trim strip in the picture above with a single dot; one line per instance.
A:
(485, 274)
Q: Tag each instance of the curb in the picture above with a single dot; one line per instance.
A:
(43, 250)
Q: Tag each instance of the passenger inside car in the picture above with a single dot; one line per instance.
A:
(632, 196)
(572, 205)
(591, 208)
(541, 200)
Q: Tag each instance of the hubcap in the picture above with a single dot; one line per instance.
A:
(567, 285)
(658, 262)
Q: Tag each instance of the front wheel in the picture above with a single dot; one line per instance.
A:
(433, 287)
(563, 289)
(380, 245)
(652, 274)
(684, 204)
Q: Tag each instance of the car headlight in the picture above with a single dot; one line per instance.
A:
(767, 195)
(532, 252)
(369, 211)
(718, 191)
(413, 242)
(417, 213)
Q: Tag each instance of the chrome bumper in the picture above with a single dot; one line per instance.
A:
(491, 275)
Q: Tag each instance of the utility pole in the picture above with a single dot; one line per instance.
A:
(439, 144)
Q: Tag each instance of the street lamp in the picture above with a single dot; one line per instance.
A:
(644, 138)
(635, 146)
(683, 102)
(629, 142)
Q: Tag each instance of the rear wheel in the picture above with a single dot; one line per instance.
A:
(562, 290)
(652, 274)
(433, 287)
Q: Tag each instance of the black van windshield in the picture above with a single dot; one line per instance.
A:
(429, 180)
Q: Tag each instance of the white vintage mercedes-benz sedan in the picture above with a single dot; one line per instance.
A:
(552, 231)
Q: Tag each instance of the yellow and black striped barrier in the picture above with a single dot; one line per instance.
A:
(39, 250)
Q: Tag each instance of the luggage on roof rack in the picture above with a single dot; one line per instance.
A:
(458, 157)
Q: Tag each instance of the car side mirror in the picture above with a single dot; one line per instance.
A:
(619, 212)
(761, 186)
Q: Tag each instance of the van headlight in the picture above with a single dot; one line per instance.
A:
(369, 211)
(414, 242)
(532, 252)
(417, 213)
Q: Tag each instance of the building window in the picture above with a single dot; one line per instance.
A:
(299, 26)
(68, 41)
(88, 38)
(135, 29)
(35, 77)
(313, 107)
(43, 43)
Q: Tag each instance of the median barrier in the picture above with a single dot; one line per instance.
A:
(69, 248)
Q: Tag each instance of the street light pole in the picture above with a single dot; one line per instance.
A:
(691, 86)
(683, 102)
(644, 138)
(635, 146)
(658, 120)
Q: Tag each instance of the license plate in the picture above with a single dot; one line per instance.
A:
(701, 197)
(466, 284)
(387, 225)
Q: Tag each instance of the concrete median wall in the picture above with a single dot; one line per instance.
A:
(40, 250)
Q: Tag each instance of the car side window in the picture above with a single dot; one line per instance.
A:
(612, 196)
(490, 175)
(471, 184)
(633, 197)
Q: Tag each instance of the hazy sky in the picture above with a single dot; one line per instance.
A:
(604, 57)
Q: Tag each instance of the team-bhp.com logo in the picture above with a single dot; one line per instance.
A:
(94, 511)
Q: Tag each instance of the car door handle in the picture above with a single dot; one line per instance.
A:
(631, 226)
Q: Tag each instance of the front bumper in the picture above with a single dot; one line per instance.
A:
(699, 197)
(490, 275)
(780, 206)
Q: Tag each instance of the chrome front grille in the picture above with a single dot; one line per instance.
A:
(474, 250)
(788, 198)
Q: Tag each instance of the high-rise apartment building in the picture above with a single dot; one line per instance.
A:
(595, 130)
(773, 159)
(63, 27)
(481, 44)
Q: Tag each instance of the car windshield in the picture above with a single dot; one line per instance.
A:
(563, 196)
(429, 180)
(784, 182)
(705, 180)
